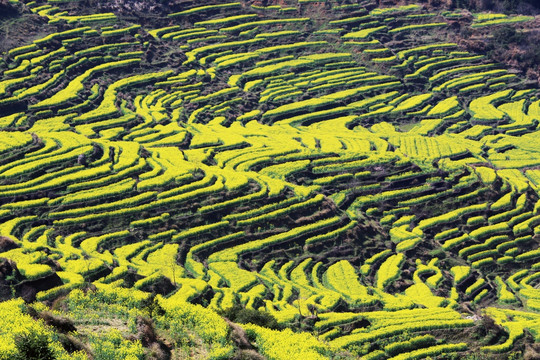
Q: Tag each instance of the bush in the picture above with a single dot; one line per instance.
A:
(113, 346)
(241, 315)
(506, 35)
(33, 346)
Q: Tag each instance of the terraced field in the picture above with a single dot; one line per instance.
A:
(352, 172)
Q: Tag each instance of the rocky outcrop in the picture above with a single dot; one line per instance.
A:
(9, 276)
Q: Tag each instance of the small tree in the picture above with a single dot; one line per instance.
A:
(33, 346)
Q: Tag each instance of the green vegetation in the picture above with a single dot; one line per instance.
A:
(306, 180)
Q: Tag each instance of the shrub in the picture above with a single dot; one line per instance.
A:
(114, 346)
(187, 323)
(33, 346)
(241, 315)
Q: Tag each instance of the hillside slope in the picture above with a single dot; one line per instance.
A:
(284, 180)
